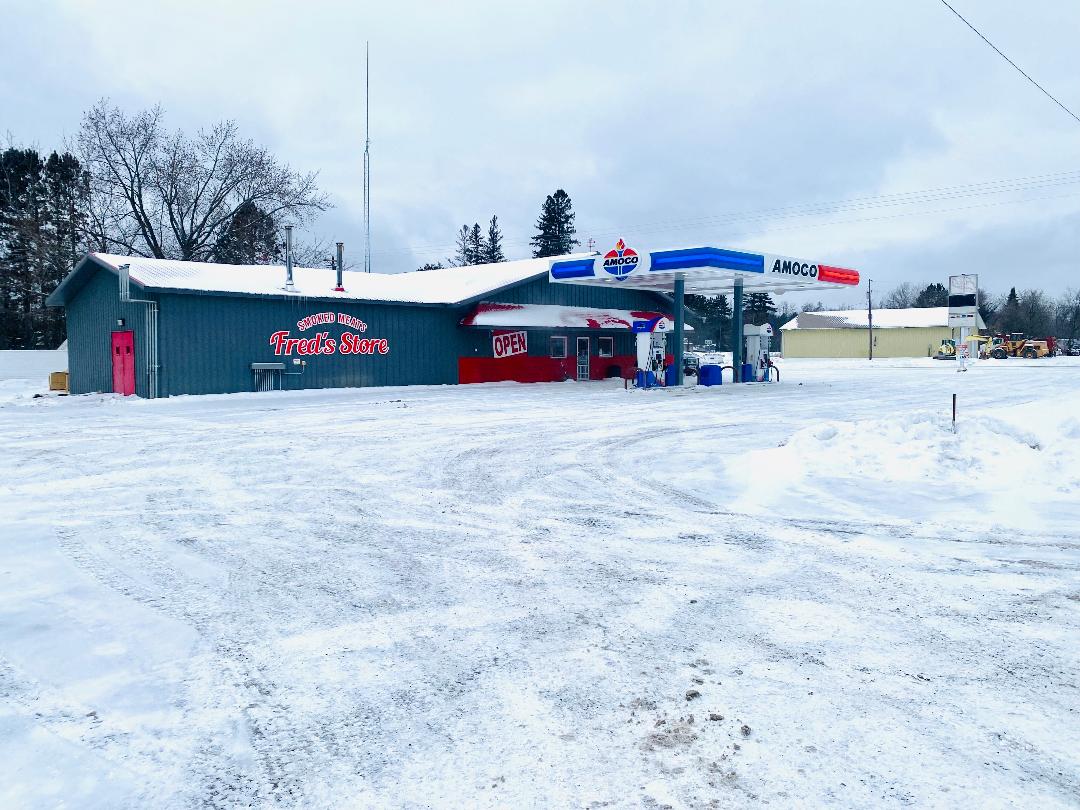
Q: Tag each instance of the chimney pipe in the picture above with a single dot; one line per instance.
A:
(340, 266)
(288, 258)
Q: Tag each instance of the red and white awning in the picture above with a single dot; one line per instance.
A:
(489, 314)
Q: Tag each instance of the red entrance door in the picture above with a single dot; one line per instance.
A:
(123, 363)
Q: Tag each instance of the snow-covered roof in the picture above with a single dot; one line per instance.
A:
(500, 315)
(883, 319)
(448, 286)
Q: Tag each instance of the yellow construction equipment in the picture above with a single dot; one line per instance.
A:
(1017, 345)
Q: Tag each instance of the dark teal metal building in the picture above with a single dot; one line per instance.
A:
(156, 327)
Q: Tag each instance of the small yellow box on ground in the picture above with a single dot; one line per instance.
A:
(58, 381)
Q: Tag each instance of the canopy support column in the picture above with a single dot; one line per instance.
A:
(736, 332)
(680, 288)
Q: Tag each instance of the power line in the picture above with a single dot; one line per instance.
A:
(1010, 61)
(819, 209)
(969, 190)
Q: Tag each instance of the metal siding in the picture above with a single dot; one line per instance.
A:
(91, 320)
(209, 342)
(901, 342)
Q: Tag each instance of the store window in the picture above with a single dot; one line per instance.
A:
(558, 347)
(607, 346)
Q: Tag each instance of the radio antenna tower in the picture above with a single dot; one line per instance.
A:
(367, 158)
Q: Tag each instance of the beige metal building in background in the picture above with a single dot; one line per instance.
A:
(843, 333)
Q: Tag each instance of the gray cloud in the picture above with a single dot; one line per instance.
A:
(653, 117)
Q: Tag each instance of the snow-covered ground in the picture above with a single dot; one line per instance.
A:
(562, 595)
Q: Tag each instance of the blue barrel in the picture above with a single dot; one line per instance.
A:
(639, 378)
(650, 379)
(709, 375)
(671, 376)
(747, 372)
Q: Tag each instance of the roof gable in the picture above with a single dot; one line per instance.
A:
(916, 317)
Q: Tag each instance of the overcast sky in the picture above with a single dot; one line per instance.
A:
(669, 124)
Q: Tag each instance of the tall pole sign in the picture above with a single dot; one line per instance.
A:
(869, 322)
(963, 313)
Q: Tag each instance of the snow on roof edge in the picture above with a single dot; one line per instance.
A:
(909, 318)
(449, 286)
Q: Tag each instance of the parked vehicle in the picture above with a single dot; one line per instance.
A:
(1017, 345)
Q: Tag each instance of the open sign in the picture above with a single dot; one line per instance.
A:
(506, 344)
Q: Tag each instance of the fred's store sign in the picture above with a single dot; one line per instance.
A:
(349, 342)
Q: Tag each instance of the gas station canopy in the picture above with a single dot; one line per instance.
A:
(704, 271)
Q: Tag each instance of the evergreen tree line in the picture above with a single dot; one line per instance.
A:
(556, 235)
(474, 246)
(43, 205)
(715, 316)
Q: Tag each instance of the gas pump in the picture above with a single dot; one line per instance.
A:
(651, 350)
(756, 363)
(651, 347)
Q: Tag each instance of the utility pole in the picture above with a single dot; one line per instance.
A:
(869, 322)
(367, 158)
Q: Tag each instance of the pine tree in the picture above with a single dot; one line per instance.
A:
(715, 313)
(429, 266)
(21, 226)
(494, 252)
(759, 308)
(67, 192)
(555, 227)
(477, 245)
(935, 295)
(1008, 317)
(250, 238)
(462, 257)
(42, 205)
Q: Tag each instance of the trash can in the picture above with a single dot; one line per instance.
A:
(671, 376)
(747, 372)
(645, 379)
(709, 375)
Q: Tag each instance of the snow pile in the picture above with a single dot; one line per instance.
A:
(983, 469)
(16, 364)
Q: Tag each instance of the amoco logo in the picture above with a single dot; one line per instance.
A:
(622, 261)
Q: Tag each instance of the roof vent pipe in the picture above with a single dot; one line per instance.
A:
(340, 266)
(124, 273)
(288, 259)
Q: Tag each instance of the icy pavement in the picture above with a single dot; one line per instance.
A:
(561, 595)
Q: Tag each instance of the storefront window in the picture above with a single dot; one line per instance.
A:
(558, 347)
(607, 346)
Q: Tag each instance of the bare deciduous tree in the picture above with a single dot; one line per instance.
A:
(171, 196)
(901, 297)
